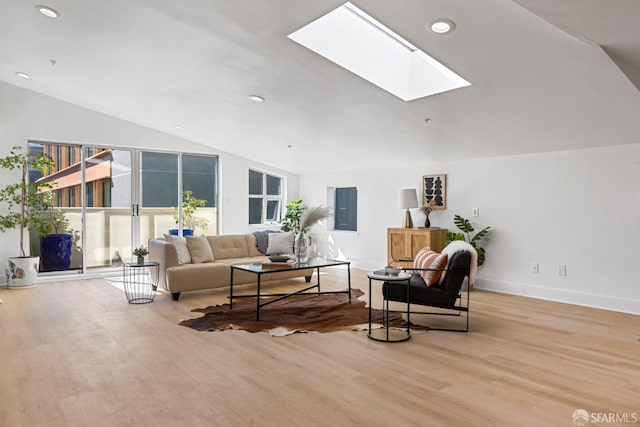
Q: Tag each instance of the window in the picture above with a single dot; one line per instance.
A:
(346, 209)
(265, 197)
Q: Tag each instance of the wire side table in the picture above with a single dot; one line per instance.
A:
(140, 281)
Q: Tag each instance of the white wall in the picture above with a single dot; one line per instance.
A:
(26, 115)
(579, 208)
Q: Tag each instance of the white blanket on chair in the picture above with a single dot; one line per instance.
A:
(461, 245)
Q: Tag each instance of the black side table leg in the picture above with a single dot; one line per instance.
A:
(258, 300)
(368, 330)
(349, 281)
(231, 290)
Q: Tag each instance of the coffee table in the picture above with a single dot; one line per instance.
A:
(258, 270)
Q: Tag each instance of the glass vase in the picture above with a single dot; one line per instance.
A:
(302, 248)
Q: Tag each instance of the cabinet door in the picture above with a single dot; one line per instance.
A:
(417, 240)
(438, 239)
(396, 245)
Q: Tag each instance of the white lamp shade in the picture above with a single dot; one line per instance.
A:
(408, 198)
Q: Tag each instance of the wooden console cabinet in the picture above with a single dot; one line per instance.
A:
(404, 243)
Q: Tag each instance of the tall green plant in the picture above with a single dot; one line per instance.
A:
(465, 226)
(23, 197)
(46, 219)
(291, 220)
(189, 206)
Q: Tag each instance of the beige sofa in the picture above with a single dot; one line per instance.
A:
(227, 250)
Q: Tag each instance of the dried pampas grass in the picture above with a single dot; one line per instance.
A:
(312, 216)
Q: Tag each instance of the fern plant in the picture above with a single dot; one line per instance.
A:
(464, 225)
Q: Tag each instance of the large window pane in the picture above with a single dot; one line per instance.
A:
(199, 176)
(161, 195)
(61, 248)
(255, 211)
(159, 179)
(108, 206)
(274, 186)
(255, 182)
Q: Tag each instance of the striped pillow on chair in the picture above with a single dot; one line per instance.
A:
(426, 258)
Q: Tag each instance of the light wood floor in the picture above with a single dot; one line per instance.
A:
(76, 354)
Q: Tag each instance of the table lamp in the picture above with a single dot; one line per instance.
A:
(407, 199)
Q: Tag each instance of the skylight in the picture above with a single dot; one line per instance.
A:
(354, 40)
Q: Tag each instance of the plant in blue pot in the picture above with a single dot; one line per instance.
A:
(56, 237)
(190, 221)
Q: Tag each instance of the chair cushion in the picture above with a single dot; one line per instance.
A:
(426, 258)
(199, 249)
(420, 294)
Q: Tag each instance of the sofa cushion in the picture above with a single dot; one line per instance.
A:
(199, 249)
(280, 243)
(229, 246)
(426, 258)
(180, 243)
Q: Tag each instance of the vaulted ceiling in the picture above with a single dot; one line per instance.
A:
(546, 75)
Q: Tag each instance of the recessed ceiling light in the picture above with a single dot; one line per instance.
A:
(23, 75)
(47, 11)
(256, 98)
(442, 26)
(178, 127)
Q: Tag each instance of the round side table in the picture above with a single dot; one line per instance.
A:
(140, 281)
(386, 333)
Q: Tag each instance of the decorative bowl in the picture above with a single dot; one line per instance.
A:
(279, 258)
(392, 271)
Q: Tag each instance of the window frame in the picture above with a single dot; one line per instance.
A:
(266, 198)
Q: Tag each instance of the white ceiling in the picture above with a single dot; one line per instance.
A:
(546, 75)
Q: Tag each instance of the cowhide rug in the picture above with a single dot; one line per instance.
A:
(298, 313)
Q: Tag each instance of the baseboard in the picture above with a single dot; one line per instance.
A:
(624, 305)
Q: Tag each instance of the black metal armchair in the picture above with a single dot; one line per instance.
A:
(446, 295)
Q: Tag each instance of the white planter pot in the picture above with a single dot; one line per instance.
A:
(22, 272)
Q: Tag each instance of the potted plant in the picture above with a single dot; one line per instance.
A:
(189, 222)
(20, 199)
(56, 237)
(465, 226)
(299, 219)
(291, 220)
(141, 252)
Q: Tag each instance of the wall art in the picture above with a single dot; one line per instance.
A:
(434, 190)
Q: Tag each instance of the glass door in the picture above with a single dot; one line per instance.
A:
(60, 247)
(159, 193)
(108, 207)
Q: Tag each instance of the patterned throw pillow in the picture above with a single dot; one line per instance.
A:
(426, 258)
